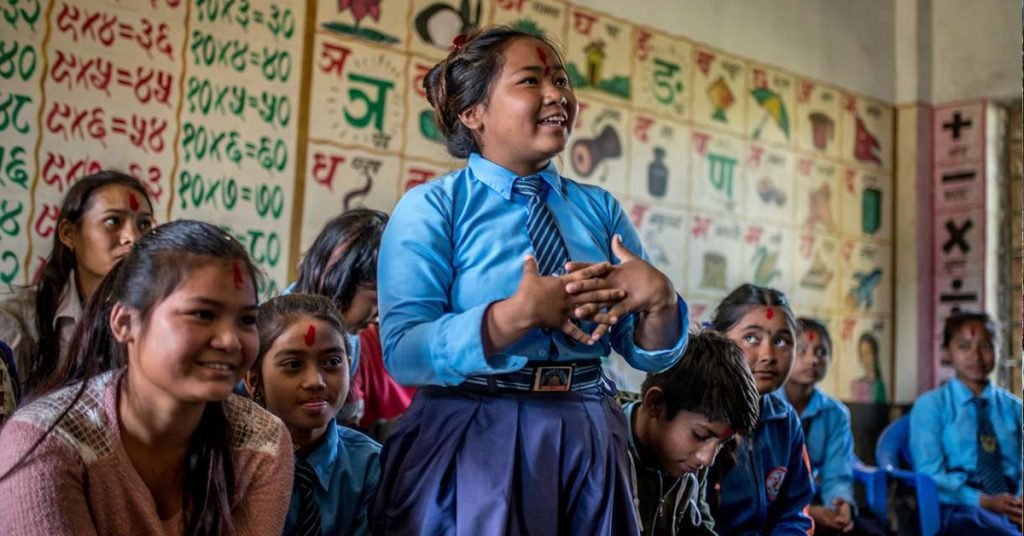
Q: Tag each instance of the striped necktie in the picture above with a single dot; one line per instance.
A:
(989, 473)
(548, 246)
(309, 511)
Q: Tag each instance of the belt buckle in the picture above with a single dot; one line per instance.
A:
(554, 379)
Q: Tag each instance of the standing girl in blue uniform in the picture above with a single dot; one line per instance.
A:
(514, 431)
(966, 435)
(766, 486)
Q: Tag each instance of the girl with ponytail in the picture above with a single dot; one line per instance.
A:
(159, 444)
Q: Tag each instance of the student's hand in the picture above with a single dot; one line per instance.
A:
(1004, 504)
(544, 302)
(844, 515)
(646, 288)
(830, 520)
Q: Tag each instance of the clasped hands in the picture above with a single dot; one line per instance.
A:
(601, 293)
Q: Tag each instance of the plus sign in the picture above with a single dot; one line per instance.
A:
(956, 124)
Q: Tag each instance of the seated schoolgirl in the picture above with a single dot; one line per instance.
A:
(684, 416)
(342, 266)
(828, 435)
(301, 375)
(101, 217)
(967, 435)
(766, 486)
(159, 446)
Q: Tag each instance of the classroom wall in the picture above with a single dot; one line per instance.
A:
(848, 44)
(907, 53)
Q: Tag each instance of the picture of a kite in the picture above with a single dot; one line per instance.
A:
(774, 108)
(721, 98)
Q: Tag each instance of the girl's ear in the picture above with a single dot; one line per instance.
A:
(66, 233)
(472, 117)
(122, 320)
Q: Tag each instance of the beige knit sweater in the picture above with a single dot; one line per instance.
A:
(80, 480)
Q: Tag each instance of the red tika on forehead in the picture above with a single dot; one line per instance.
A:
(543, 57)
(133, 202)
(810, 335)
(769, 314)
(310, 335)
(237, 273)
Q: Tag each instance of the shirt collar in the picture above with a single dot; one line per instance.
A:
(500, 179)
(963, 395)
(815, 404)
(324, 457)
(70, 305)
(773, 407)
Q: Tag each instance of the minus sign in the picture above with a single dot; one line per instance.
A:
(958, 177)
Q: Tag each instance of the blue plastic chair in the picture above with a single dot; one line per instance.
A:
(875, 487)
(893, 453)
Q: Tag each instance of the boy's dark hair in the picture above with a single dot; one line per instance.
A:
(806, 324)
(343, 257)
(56, 273)
(745, 296)
(464, 79)
(276, 315)
(713, 379)
(956, 320)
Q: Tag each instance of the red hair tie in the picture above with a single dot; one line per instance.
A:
(457, 43)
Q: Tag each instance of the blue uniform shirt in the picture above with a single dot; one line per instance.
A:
(770, 486)
(944, 444)
(347, 466)
(829, 441)
(455, 245)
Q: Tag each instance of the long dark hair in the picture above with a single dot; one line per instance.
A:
(54, 278)
(273, 319)
(343, 257)
(158, 263)
(464, 79)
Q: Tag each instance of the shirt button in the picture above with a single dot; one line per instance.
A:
(542, 353)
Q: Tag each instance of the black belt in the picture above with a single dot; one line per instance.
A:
(541, 377)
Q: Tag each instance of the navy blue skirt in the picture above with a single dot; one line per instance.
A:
(462, 463)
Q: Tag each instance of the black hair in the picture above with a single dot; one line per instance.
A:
(158, 264)
(464, 79)
(956, 320)
(273, 319)
(56, 273)
(812, 324)
(343, 257)
(732, 308)
(713, 379)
